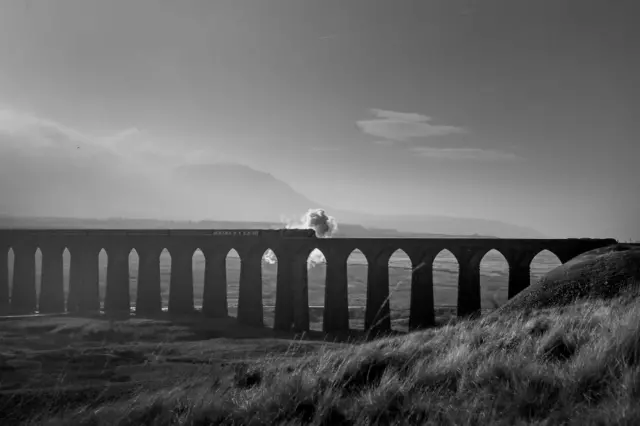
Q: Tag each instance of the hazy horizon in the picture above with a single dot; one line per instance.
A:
(516, 111)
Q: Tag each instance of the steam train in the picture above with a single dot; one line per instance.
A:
(281, 233)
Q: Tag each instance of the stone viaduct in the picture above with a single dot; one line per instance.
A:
(292, 248)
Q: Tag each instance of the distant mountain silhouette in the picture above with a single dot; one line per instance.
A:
(260, 196)
(215, 192)
(228, 191)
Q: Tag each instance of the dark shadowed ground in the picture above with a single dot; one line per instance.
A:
(518, 365)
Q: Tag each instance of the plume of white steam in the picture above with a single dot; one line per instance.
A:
(317, 220)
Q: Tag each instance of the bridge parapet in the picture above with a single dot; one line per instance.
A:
(291, 249)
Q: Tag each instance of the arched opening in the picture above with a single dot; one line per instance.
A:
(66, 267)
(357, 269)
(541, 264)
(445, 285)
(316, 279)
(494, 280)
(103, 261)
(232, 265)
(4, 281)
(38, 272)
(10, 264)
(165, 277)
(134, 270)
(198, 263)
(400, 289)
(269, 273)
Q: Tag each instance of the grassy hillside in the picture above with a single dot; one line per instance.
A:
(565, 351)
(573, 365)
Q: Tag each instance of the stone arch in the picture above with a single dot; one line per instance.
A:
(316, 257)
(198, 264)
(103, 262)
(543, 262)
(494, 279)
(165, 277)
(400, 266)
(446, 270)
(66, 267)
(269, 276)
(232, 266)
(134, 274)
(38, 273)
(11, 260)
(22, 274)
(357, 270)
(4, 278)
(181, 299)
(316, 279)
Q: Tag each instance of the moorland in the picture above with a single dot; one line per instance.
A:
(575, 359)
(571, 364)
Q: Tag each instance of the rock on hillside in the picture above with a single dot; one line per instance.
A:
(598, 274)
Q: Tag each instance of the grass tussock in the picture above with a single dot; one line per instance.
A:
(572, 365)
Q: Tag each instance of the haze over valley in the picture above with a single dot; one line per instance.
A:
(235, 112)
(217, 193)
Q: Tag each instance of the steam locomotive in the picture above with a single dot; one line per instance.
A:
(297, 233)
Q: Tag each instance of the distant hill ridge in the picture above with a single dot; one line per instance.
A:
(247, 186)
(220, 192)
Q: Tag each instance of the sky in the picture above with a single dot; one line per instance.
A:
(516, 110)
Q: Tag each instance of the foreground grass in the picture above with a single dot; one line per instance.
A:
(572, 365)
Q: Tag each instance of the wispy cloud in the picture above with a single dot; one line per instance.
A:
(463, 153)
(408, 128)
(45, 162)
(30, 140)
(326, 148)
(385, 142)
(403, 126)
(30, 136)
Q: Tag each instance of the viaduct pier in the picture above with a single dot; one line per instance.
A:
(291, 247)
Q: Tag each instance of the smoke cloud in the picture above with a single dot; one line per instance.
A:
(316, 219)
